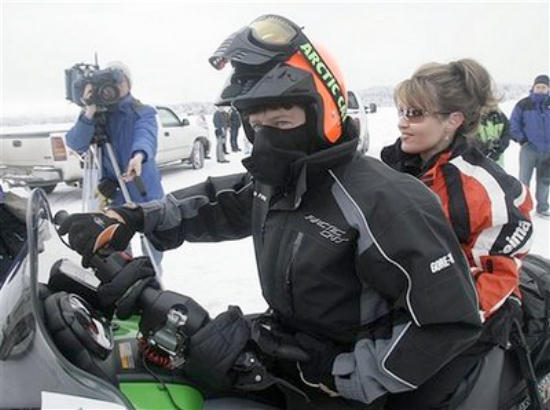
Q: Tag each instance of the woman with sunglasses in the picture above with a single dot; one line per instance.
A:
(439, 110)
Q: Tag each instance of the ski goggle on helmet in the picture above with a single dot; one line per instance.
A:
(274, 62)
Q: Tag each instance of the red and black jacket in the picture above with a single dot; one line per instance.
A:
(488, 209)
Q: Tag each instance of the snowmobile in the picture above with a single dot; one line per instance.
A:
(59, 351)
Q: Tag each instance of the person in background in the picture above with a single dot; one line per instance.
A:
(132, 131)
(357, 262)
(439, 110)
(493, 135)
(235, 124)
(530, 125)
(220, 130)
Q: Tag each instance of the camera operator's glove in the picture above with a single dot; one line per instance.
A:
(317, 371)
(214, 349)
(122, 292)
(85, 229)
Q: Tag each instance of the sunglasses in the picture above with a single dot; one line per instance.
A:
(415, 115)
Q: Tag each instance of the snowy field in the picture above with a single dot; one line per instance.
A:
(219, 274)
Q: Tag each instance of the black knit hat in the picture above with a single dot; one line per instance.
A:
(542, 79)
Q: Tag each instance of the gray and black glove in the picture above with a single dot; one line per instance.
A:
(85, 228)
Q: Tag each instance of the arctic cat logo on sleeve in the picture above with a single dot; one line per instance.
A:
(517, 238)
(326, 75)
(442, 263)
(328, 231)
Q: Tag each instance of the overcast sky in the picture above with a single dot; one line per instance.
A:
(167, 44)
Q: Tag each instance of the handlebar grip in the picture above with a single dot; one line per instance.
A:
(140, 185)
(148, 297)
(60, 217)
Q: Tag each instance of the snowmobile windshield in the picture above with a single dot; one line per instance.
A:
(31, 366)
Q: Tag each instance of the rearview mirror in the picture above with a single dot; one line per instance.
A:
(184, 122)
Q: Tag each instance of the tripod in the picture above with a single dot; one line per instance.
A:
(101, 143)
(91, 178)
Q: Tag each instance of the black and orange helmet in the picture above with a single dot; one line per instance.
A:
(274, 62)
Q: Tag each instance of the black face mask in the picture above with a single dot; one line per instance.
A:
(275, 150)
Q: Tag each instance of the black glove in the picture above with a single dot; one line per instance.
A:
(85, 228)
(214, 349)
(275, 341)
(317, 372)
(122, 292)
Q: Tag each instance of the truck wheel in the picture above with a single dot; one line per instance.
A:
(197, 155)
(47, 188)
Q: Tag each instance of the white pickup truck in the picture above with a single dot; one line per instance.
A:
(41, 157)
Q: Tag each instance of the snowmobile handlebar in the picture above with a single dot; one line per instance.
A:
(169, 319)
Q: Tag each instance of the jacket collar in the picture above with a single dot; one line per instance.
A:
(412, 163)
(457, 147)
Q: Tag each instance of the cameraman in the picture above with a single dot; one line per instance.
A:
(131, 128)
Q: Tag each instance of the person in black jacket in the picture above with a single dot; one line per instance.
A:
(357, 262)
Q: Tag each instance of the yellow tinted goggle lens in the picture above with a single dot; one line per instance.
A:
(273, 31)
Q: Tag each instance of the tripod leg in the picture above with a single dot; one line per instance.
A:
(90, 178)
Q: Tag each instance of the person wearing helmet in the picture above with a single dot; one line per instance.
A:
(356, 261)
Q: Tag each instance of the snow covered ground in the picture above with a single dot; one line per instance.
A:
(219, 274)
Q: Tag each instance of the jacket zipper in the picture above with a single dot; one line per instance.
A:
(288, 272)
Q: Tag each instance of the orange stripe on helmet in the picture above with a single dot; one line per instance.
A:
(332, 122)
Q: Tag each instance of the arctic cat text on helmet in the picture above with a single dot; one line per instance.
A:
(274, 62)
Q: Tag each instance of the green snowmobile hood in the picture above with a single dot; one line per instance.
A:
(150, 396)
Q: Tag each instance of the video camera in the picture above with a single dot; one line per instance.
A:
(104, 84)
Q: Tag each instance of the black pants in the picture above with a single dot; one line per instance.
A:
(233, 138)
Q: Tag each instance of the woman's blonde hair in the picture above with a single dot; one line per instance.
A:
(463, 85)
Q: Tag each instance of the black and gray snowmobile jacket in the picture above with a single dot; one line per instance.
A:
(358, 253)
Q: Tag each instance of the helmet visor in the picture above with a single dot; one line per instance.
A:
(273, 31)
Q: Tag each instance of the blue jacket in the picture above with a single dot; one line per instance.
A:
(530, 121)
(131, 127)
